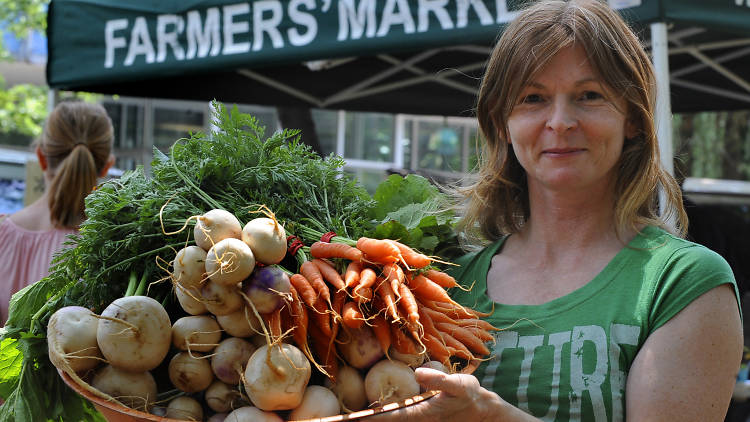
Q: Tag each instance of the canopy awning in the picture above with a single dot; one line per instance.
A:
(422, 57)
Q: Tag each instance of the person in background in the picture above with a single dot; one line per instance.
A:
(606, 312)
(74, 150)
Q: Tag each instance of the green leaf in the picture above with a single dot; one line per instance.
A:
(396, 192)
(10, 366)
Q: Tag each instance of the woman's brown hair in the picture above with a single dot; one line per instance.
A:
(77, 143)
(497, 202)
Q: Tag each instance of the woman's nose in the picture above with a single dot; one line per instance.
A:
(562, 116)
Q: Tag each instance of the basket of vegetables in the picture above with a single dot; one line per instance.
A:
(248, 278)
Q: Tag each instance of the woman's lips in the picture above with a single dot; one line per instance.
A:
(562, 151)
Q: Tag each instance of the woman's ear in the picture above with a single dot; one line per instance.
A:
(631, 129)
(107, 165)
(41, 157)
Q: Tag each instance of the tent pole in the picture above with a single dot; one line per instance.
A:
(663, 112)
(53, 97)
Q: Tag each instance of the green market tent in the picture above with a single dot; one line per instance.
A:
(405, 56)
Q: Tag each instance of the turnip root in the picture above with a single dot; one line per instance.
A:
(189, 299)
(390, 381)
(317, 402)
(266, 288)
(136, 390)
(134, 333)
(433, 364)
(229, 359)
(229, 262)
(189, 266)
(196, 333)
(359, 347)
(267, 238)
(254, 414)
(242, 323)
(221, 299)
(71, 339)
(411, 360)
(190, 373)
(276, 377)
(185, 408)
(349, 388)
(221, 397)
(215, 226)
(218, 417)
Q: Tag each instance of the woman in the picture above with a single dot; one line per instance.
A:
(606, 315)
(74, 150)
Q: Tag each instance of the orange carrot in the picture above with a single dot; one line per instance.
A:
(385, 292)
(401, 342)
(363, 295)
(466, 337)
(481, 334)
(312, 274)
(329, 273)
(410, 308)
(352, 273)
(351, 315)
(273, 320)
(476, 323)
(451, 309)
(395, 276)
(436, 349)
(412, 258)
(325, 350)
(335, 250)
(441, 278)
(380, 251)
(455, 347)
(382, 331)
(425, 288)
(310, 297)
(436, 316)
(299, 321)
(367, 279)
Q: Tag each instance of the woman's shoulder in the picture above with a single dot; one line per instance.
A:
(666, 246)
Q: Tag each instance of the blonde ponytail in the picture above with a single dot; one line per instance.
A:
(77, 142)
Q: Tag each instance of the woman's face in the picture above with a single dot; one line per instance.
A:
(567, 128)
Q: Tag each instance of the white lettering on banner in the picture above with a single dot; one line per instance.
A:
(739, 2)
(269, 26)
(619, 334)
(437, 7)
(396, 12)
(580, 381)
(203, 37)
(503, 340)
(231, 28)
(462, 6)
(503, 15)
(111, 42)
(360, 19)
(528, 344)
(140, 43)
(305, 19)
(165, 37)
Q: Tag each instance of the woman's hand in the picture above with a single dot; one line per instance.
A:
(460, 398)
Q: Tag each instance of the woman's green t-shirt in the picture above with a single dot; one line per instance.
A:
(568, 359)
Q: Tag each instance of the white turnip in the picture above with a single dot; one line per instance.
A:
(215, 226)
(252, 414)
(229, 359)
(190, 373)
(218, 417)
(390, 381)
(267, 238)
(266, 288)
(221, 397)
(349, 388)
(190, 299)
(411, 360)
(71, 339)
(189, 266)
(359, 347)
(242, 323)
(317, 402)
(184, 408)
(229, 262)
(221, 299)
(134, 333)
(276, 377)
(136, 390)
(199, 333)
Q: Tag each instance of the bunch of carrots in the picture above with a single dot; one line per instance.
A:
(387, 286)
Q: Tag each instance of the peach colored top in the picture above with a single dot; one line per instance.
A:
(25, 258)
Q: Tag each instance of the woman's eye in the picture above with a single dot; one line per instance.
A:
(591, 95)
(531, 98)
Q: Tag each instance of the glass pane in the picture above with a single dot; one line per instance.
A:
(133, 127)
(369, 179)
(115, 113)
(173, 124)
(475, 146)
(326, 127)
(267, 117)
(439, 146)
(407, 142)
(369, 136)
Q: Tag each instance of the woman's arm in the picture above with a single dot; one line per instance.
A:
(687, 368)
(461, 398)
